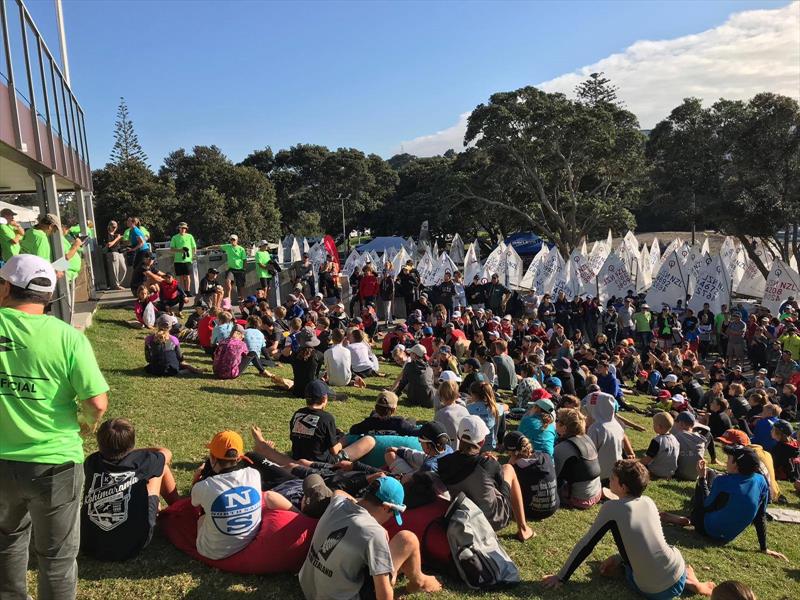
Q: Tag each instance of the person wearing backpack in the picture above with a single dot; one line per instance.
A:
(493, 488)
(576, 460)
(229, 354)
(653, 568)
(351, 555)
(162, 351)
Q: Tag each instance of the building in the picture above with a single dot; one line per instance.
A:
(43, 147)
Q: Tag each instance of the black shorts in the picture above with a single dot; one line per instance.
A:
(183, 268)
(264, 282)
(237, 276)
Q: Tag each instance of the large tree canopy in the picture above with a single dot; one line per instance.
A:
(566, 169)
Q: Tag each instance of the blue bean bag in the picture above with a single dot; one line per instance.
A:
(382, 443)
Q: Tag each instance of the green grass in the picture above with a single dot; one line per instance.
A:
(184, 413)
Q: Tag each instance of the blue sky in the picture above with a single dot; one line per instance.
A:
(370, 75)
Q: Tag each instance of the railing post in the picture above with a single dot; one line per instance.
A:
(62, 303)
(37, 141)
(12, 90)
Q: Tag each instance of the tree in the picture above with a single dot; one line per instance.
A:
(564, 169)
(740, 162)
(217, 198)
(597, 90)
(126, 148)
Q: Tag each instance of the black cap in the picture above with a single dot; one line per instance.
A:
(213, 270)
(473, 362)
(433, 432)
(317, 390)
(745, 458)
(513, 440)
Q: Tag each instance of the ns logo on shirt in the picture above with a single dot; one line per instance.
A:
(235, 511)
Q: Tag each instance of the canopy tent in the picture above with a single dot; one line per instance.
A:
(25, 214)
(382, 244)
(525, 243)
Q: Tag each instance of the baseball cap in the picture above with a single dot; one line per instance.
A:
(7, 212)
(419, 350)
(401, 327)
(432, 431)
(513, 440)
(183, 225)
(664, 394)
(783, 426)
(226, 445)
(318, 295)
(50, 219)
(545, 404)
(450, 326)
(391, 493)
(473, 362)
(734, 437)
(449, 376)
(317, 390)
(671, 378)
(233, 236)
(540, 393)
(562, 364)
(340, 305)
(214, 271)
(387, 399)
(427, 331)
(507, 318)
(251, 299)
(316, 496)
(643, 373)
(738, 368)
(163, 322)
(20, 270)
(445, 350)
(762, 371)
(263, 243)
(745, 458)
(553, 382)
(456, 314)
(472, 430)
(685, 417)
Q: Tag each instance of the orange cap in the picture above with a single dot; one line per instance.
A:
(220, 447)
(734, 436)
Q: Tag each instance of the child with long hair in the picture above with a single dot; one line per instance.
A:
(450, 409)
(483, 404)
(538, 424)
(163, 351)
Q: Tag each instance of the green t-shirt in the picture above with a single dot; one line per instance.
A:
(180, 241)
(237, 255)
(7, 248)
(262, 258)
(35, 242)
(75, 231)
(48, 367)
(74, 262)
(642, 321)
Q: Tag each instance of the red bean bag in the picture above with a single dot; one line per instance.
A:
(435, 549)
(280, 546)
(282, 542)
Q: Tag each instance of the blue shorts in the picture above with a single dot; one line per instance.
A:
(668, 594)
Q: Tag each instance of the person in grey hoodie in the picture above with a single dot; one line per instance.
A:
(417, 379)
(605, 431)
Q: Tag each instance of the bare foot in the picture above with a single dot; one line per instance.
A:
(674, 519)
(426, 583)
(525, 534)
(610, 566)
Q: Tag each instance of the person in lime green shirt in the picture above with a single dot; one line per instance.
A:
(237, 257)
(72, 252)
(263, 267)
(183, 246)
(52, 391)
(36, 240)
(10, 235)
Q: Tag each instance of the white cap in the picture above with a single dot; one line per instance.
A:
(263, 243)
(507, 318)
(233, 236)
(449, 376)
(399, 348)
(318, 295)
(456, 314)
(472, 430)
(340, 305)
(496, 319)
(20, 269)
(671, 378)
(419, 350)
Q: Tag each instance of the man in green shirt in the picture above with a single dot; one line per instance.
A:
(264, 266)
(237, 256)
(72, 252)
(721, 320)
(184, 247)
(36, 241)
(10, 235)
(643, 324)
(52, 391)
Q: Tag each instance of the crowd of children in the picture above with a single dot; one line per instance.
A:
(478, 370)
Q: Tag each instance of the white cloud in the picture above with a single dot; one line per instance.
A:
(753, 51)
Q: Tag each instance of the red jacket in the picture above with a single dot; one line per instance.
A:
(168, 291)
(368, 287)
(204, 329)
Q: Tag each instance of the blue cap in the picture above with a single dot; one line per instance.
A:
(252, 299)
(427, 330)
(391, 493)
(553, 382)
(316, 390)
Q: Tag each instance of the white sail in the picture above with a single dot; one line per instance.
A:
(668, 285)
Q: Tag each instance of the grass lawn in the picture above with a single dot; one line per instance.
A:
(184, 413)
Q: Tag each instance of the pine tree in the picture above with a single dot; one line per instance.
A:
(126, 148)
(597, 90)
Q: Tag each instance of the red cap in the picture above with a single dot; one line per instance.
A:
(643, 373)
(664, 394)
(540, 394)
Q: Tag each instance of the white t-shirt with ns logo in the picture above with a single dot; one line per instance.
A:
(232, 506)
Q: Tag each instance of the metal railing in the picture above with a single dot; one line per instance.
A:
(42, 79)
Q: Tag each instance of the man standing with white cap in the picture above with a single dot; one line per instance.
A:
(183, 246)
(52, 390)
(237, 257)
(10, 235)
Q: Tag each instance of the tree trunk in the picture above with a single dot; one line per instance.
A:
(751, 253)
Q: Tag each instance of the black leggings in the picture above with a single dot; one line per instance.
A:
(701, 491)
(251, 357)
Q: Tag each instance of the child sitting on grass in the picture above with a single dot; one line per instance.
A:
(230, 498)
(482, 403)
(435, 445)
(120, 500)
(653, 568)
(538, 425)
(162, 351)
(788, 402)
(536, 474)
(229, 355)
(785, 453)
(661, 457)
(451, 410)
(222, 328)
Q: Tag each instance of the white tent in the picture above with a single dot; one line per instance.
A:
(25, 214)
